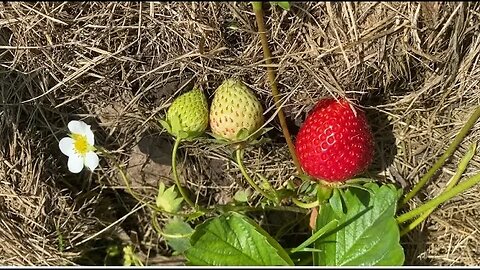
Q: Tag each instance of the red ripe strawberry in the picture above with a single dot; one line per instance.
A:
(335, 142)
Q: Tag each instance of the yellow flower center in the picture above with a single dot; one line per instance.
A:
(80, 143)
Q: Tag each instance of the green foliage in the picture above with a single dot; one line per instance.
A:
(174, 127)
(242, 195)
(130, 257)
(367, 233)
(177, 234)
(233, 239)
(165, 125)
(243, 136)
(283, 4)
(319, 233)
(167, 199)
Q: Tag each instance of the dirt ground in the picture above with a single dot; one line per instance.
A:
(117, 66)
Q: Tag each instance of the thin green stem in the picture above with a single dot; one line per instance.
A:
(175, 173)
(265, 181)
(155, 224)
(239, 157)
(301, 204)
(458, 174)
(462, 166)
(129, 188)
(267, 56)
(124, 176)
(269, 186)
(458, 139)
(445, 196)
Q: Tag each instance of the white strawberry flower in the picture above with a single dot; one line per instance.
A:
(79, 147)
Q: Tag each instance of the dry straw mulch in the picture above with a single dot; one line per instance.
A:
(118, 65)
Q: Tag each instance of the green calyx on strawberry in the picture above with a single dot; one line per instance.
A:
(187, 117)
(334, 143)
(235, 114)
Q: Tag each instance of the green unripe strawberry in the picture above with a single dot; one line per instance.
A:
(235, 112)
(187, 117)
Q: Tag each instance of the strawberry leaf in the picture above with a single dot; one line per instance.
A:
(234, 239)
(189, 136)
(176, 125)
(177, 234)
(176, 130)
(242, 137)
(182, 135)
(305, 178)
(319, 233)
(308, 188)
(165, 125)
(167, 199)
(218, 139)
(367, 232)
(242, 134)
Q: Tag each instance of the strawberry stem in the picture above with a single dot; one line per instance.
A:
(175, 173)
(155, 224)
(458, 139)
(267, 56)
(301, 204)
(445, 196)
(239, 157)
(458, 174)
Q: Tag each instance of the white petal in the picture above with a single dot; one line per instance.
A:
(66, 146)
(75, 163)
(91, 160)
(90, 137)
(78, 127)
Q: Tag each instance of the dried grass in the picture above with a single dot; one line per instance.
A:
(117, 65)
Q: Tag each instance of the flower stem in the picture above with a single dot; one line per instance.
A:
(175, 173)
(123, 175)
(134, 195)
(458, 139)
(445, 196)
(267, 56)
(239, 157)
(458, 174)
